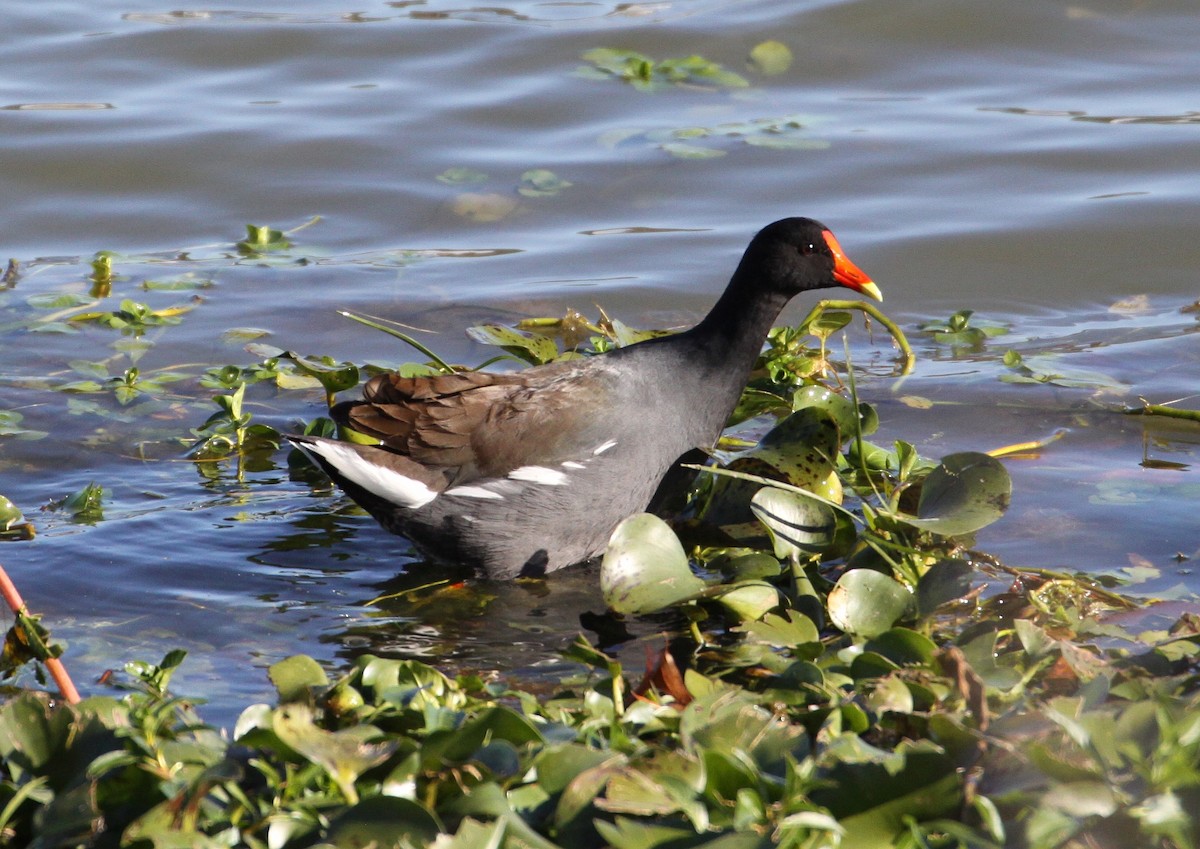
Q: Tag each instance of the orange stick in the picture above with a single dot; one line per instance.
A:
(57, 671)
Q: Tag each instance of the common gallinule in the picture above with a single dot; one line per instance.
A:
(527, 472)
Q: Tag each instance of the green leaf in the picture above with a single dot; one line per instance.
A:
(345, 755)
(681, 150)
(733, 722)
(461, 176)
(541, 183)
(294, 676)
(384, 821)
(87, 504)
(9, 514)
(946, 580)
(866, 603)
(789, 630)
(903, 647)
(750, 600)
(528, 346)
(966, 492)
(644, 567)
(799, 524)
(770, 58)
(839, 408)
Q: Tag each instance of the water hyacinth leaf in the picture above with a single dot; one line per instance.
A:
(750, 566)
(645, 568)
(624, 335)
(540, 182)
(241, 335)
(980, 654)
(887, 811)
(10, 515)
(384, 821)
(966, 492)
(683, 150)
(799, 524)
(345, 755)
(868, 455)
(904, 647)
(946, 580)
(1049, 368)
(182, 283)
(751, 600)
(890, 695)
(334, 377)
(528, 346)
(10, 425)
(729, 721)
(294, 676)
(57, 300)
(87, 505)
(461, 176)
(866, 603)
(484, 208)
(263, 238)
(789, 629)
(558, 766)
(770, 58)
(839, 408)
(828, 323)
(800, 450)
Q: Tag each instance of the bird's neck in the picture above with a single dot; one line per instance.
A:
(731, 336)
(714, 358)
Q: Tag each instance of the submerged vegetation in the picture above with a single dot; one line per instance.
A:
(841, 668)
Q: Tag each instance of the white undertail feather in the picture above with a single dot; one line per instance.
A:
(385, 483)
(539, 474)
(468, 491)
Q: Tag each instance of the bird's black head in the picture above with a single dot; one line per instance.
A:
(794, 255)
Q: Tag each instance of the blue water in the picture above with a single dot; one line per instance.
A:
(1039, 167)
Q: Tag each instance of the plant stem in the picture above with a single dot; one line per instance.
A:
(59, 672)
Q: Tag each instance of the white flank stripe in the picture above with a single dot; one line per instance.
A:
(600, 449)
(539, 474)
(571, 464)
(473, 492)
(385, 483)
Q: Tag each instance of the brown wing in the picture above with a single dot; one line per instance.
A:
(478, 423)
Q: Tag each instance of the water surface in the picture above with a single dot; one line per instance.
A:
(1038, 167)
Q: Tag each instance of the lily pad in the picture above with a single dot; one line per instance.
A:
(966, 492)
(645, 568)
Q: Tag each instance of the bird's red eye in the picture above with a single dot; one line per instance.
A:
(808, 249)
